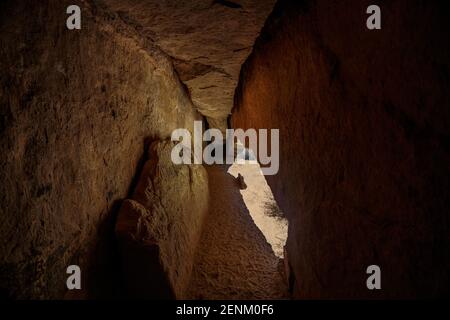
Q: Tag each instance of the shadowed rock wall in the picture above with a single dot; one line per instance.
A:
(75, 108)
(364, 123)
(160, 226)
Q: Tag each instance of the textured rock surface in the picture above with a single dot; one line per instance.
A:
(365, 149)
(75, 108)
(208, 41)
(234, 260)
(159, 229)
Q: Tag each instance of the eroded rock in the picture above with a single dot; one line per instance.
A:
(207, 40)
(364, 126)
(75, 109)
(159, 229)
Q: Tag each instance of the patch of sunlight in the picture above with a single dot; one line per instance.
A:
(260, 201)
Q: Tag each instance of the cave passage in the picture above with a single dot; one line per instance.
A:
(238, 255)
(260, 201)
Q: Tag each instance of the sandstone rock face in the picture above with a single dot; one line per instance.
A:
(208, 41)
(234, 259)
(75, 108)
(364, 130)
(159, 228)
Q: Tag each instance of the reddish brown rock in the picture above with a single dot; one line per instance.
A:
(364, 124)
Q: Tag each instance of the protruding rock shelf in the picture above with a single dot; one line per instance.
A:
(207, 40)
(159, 228)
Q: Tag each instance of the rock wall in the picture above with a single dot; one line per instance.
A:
(75, 109)
(364, 125)
(208, 41)
(160, 226)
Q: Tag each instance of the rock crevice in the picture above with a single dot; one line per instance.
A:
(207, 40)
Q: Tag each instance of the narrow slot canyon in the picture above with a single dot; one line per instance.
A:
(235, 259)
(360, 170)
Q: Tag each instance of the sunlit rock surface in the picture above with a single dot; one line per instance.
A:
(76, 107)
(207, 40)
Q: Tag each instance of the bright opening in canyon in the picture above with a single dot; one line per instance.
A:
(260, 202)
(241, 250)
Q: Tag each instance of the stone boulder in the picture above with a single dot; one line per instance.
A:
(158, 229)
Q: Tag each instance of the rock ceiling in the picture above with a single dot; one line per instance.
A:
(208, 41)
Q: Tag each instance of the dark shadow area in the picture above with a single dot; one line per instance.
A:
(104, 275)
(228, 4)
